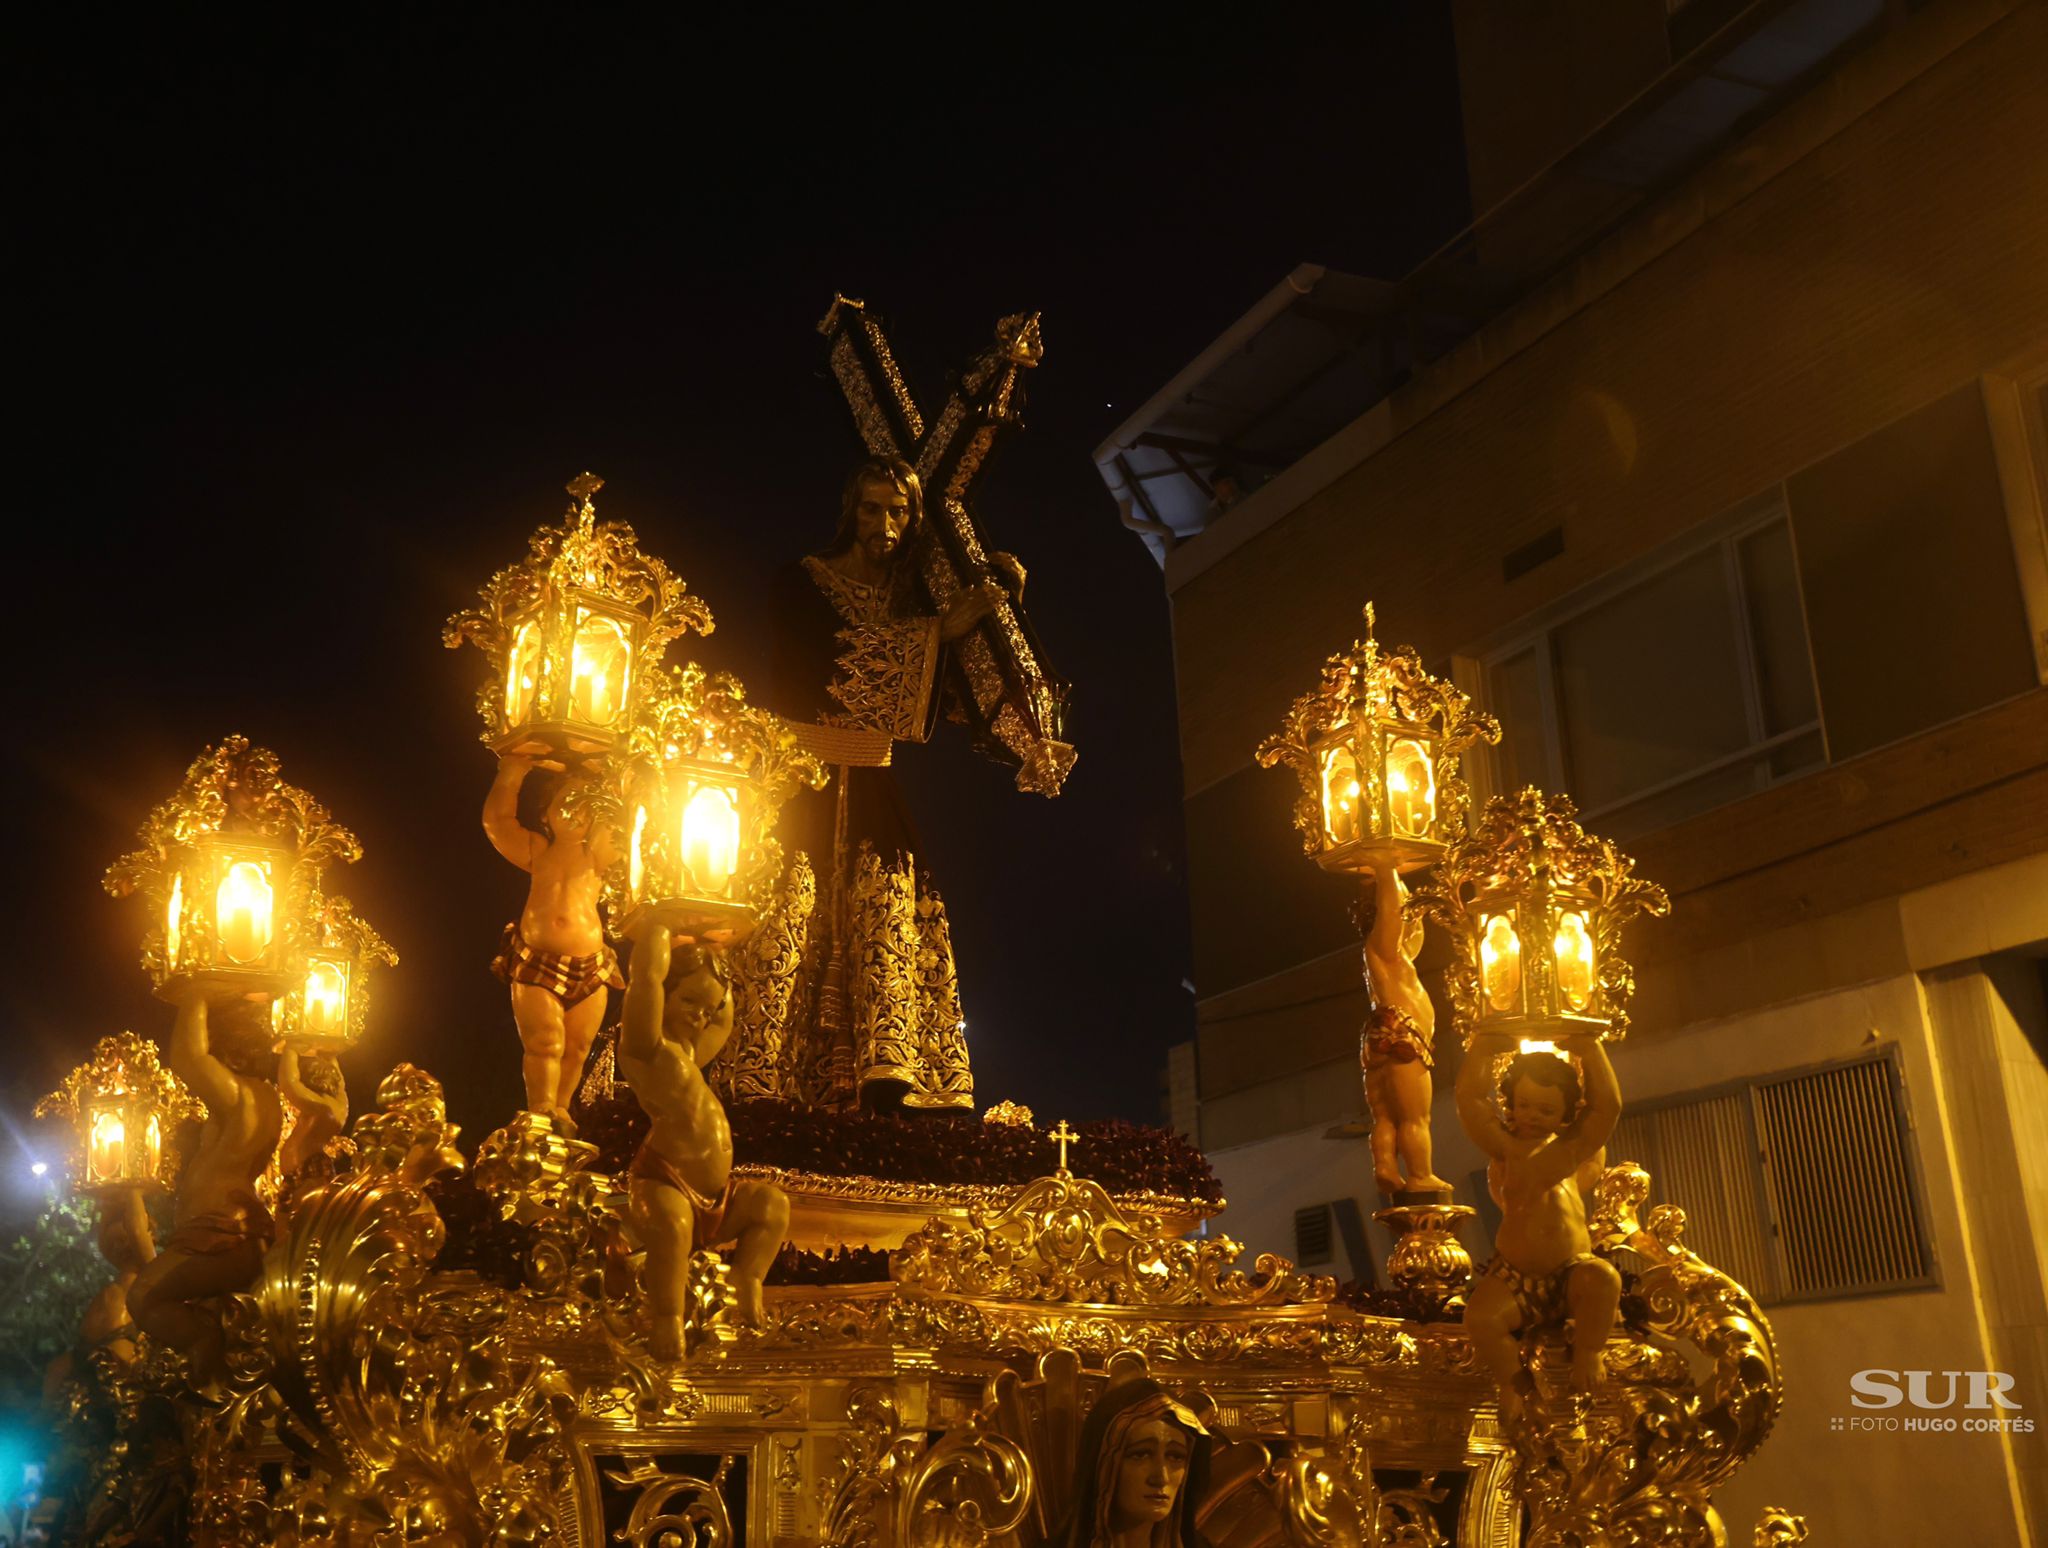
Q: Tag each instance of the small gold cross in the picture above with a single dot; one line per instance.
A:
(584, 485)
(1064, 1133)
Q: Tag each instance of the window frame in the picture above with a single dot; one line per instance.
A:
(1475, 666)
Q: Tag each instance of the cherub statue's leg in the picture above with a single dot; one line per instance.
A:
(579, 1030)
(1412, 1090)
(758, 1219)
(1491, 1320)
(665, 1222)
(543, 1032)
(165, 1299)
(1592, 1292)
(1386, 1174)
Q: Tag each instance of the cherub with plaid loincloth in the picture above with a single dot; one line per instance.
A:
(1545, 1155)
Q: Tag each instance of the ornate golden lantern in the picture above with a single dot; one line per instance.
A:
(122, 1106)
(327, 1008)
(704, 776)
(1376, 750)
(229, 865)
(574, 632)
(1535, 906)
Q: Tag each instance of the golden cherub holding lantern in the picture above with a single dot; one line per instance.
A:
(652, 792)
(1376, 749)
(574, 633)
(245, 942)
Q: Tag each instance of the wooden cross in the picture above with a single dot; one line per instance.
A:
(1000, 682)
(1064, 1133)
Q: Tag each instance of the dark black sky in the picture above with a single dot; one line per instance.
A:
(314, 323)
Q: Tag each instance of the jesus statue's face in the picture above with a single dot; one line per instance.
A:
(881, 518)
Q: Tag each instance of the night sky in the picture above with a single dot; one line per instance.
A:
(312, 325)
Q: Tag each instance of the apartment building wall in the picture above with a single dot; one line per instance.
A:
(1843, 326)
(1849, 338)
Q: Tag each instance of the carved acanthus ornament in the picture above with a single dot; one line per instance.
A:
(1063, 1238)
(1645, 1475)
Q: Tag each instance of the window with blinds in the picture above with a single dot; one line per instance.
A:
(1802, 1187)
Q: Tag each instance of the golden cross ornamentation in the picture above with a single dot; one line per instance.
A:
(1064, 1133)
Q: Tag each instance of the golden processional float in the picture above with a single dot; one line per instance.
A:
(972, 1331)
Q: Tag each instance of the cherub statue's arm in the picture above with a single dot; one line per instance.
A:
(191, 1060)
(1587, 1138)
(501, 812)
(646, 977)
(302, 1096)
(1475, 1092)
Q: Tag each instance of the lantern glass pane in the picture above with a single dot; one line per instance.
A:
(522, 672)
(1573, 949)
(636, 856)
(1500, 963)
(242, 911)
(174, 920)
(1411, 789)
(601, 658)
(1341, 796)
(710, 839)
(106, 1145)
(153, 1147)
(326, 1013)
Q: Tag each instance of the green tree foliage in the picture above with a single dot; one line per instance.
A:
(47, 1276)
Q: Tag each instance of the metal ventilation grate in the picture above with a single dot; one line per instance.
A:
(1800, 1187)
(1841, 1182)
(1312, 1234)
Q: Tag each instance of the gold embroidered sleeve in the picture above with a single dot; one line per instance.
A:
(887, 674)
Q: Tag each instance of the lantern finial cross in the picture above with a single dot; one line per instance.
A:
(1063, 1133)
(582, 489)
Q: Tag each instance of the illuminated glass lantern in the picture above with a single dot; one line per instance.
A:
(1376, 749)
(326, 1008)
(574, 634)
(225, 920)
(705, 777)
(121, 1105)
(230, 865)
(1535, 906)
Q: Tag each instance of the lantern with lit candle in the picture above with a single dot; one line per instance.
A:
(704, 776)
(326, 1008)
(1535, 907)
(574, 634)
(121, 1106)
(1376, 749)
(230, 865)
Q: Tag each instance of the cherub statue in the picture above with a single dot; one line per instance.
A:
(1142, 1463)
(678, 1016)
(1545, 1158)
(220, 1229)
(318, 1098)
(554, 956)
(128, 1242)
(1397, 1047)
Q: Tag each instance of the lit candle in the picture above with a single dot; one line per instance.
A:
(710, 839)
(109, 1141)
(323, 998)
(1573, 948)
(1500, 962)
(242, 907)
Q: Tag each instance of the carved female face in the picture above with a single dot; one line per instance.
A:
(1149, 1474)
